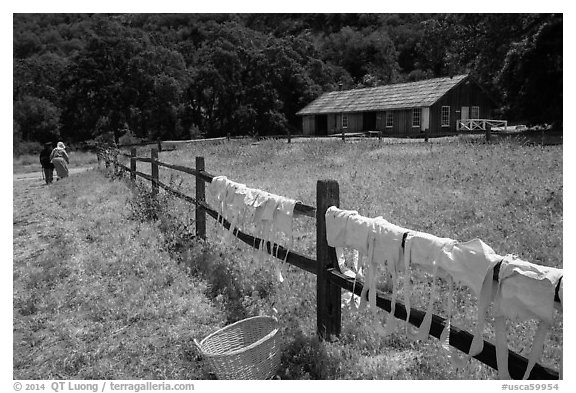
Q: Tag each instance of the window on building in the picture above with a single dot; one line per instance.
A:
(475, 112)
(445, 118)
(344, 120)
(389, 119)
(416, 117)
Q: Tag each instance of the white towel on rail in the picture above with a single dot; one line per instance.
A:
(525, 291)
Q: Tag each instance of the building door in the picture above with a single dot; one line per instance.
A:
(369, 121)
(464, 115)
(321, 124)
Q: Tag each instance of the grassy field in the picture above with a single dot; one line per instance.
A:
(507, 194)
(95, 295)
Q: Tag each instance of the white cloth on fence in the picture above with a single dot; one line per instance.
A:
(425, 251)
(472, 264)
(217, 190)
(525, 291)
(272, 215)
(336, 236)
(377, 239)
(561, 297)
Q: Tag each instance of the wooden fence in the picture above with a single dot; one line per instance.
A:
(329, 279)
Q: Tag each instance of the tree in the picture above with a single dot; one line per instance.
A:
(37, 119)
(531, 76)
(95, 85)
(361, 53)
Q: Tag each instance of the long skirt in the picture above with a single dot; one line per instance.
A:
(61, 167)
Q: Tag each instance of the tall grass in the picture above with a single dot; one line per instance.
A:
(102, 299)
(508, 194)
(109, 297)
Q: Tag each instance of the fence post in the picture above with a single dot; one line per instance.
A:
(159, 144)
(115, 161)
(133, 164)
(328, 295)
(289, 137)
(200, 197)
(154, 162)
(488, 132)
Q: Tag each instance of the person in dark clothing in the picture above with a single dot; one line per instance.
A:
(47, 166)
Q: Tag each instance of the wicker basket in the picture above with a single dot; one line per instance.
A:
(247, 349)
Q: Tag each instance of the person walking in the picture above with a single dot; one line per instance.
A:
(47, 167)
(60, 159)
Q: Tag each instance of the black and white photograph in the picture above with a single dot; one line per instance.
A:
(286, 196)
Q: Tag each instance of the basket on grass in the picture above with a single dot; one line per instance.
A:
(247, 349)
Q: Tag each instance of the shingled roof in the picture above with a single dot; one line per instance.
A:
(381, 98)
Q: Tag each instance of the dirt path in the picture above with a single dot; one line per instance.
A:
(38, 175)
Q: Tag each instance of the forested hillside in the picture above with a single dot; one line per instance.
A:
(80, 76)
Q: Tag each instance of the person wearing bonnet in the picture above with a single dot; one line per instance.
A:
(60, 159)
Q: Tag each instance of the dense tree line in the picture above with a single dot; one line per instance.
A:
(80, 76)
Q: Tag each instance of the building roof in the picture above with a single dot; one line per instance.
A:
(381, 98)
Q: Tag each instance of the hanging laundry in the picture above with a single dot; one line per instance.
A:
(425, 250)
(487, 293)
(217, 190)
(525, 291)
(561, 297)
(376, 238)
(223, 192)
(271, 214)
(349, 299)
(336, 222)
(407, 287)
(454, 356)
(472, 264)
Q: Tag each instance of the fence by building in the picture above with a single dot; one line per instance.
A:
(329, 279)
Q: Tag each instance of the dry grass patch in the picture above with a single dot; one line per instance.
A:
(104, 300)
(506, 193)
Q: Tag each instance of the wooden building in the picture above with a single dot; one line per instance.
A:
(434, 105)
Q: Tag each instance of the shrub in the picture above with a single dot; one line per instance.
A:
(26, 147)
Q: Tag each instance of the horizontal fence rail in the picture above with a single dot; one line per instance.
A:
(328, 277)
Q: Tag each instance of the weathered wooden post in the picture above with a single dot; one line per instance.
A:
(426, 134)
(159, 144)
(115, 161)
(154, 172)
(328, 295)
(133, 164)
(488, 132)
(289, 137)
(200, 197)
